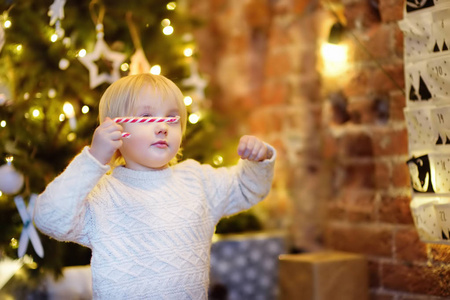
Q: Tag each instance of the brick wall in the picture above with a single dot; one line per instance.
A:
(341, 179)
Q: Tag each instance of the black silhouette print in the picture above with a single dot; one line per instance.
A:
(420, 174)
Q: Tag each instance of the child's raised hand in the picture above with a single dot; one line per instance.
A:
(106, 140)
(253, 149)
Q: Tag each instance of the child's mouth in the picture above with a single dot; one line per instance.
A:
(160, 144)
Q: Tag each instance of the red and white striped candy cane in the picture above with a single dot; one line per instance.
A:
(144, 120)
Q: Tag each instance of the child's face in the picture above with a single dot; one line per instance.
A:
(152, 145)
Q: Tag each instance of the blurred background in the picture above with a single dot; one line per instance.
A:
(322, 81)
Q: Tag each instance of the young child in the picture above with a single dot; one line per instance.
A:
(148, 221)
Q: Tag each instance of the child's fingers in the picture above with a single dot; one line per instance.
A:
(242, 145)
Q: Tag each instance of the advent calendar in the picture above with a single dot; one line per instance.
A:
(426, 30)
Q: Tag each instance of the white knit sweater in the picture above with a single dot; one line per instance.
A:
(150, 231)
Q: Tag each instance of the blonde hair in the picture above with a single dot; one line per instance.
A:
(120, 100)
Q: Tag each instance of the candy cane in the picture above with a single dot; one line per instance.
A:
(144, 120)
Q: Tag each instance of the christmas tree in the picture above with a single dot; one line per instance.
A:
(56, 60)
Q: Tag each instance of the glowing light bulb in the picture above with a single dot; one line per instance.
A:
(71, 136)
(218, 160)
(335, 58)
(168, 30)
(171, 6)
(187, 100)
(82, 53)
(35, 113)
(155, 70)
(194, 118)
(85, 109)
(3, 123)
(124, 67)
(7, 24)
(14, 243)
(19, 48)
(68, 109)
(51, 93)
(188, 52)
(54, 38)
(165, 22)
(62, 117)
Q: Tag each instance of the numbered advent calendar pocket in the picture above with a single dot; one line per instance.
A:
(443, 217)
(425, 218)
(421, 132)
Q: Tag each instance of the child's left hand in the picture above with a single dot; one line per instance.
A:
(253, 149)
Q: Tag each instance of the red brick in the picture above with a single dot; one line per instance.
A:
(391, 10)
(418, 279)
(387, 141)
(362, 111)
(356, 144)
(257, 14)
(398, 42)
(408, 246)
(278, 64)
(275, 92)
(400, 175)
(356, 205)
(382, 175)
(330, 146)
(387, 78)
(361, 14)
(364, 239)
(397, 104)
(395, 210)
(440, 253)
(359, 175)
(374, 43)
(374, 273)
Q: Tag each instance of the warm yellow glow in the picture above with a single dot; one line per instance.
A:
(165, 22)
(51, 93)
(334, 58)
(168, 30)
(68, 110)
(3, 123)
(194, 118)
(171, 5)
(19, 48)
(187, 100)
(1, 194)
(82, 53)
(85, 109)
(7, 24)
(155, 70)
(188, 52)
(62, 117)
(54, 37)
(124, 67)
(218, 160)
(71, 136)
(14, 243)
(36, 113)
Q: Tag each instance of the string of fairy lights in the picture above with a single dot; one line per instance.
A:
(56, 12)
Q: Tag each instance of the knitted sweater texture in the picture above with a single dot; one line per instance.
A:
(150, 231)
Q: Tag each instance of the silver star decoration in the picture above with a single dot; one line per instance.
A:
(56, 11)
(199, 84)
(101, 49)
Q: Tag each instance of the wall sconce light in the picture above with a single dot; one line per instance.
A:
(334, 52)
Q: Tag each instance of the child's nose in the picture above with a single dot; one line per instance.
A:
(161, 128)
